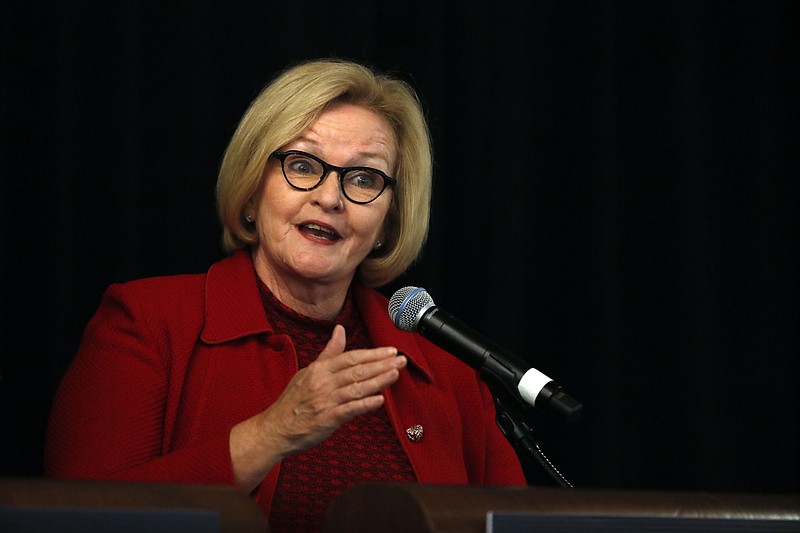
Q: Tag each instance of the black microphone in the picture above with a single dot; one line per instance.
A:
(412, 309)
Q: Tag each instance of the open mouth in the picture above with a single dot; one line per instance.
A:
(320, 232)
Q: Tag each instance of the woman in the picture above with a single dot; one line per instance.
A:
(279, 370)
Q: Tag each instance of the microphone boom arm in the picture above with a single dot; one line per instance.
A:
(511, 419)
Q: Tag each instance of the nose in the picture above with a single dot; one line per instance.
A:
(328, 194)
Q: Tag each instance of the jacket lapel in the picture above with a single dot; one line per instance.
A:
(233, 304)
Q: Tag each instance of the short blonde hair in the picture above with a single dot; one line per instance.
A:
(286, 108)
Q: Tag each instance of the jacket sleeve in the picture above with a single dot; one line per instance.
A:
(110, 416)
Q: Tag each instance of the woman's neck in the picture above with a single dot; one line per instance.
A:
(315, 300)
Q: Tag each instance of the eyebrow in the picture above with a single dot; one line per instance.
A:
(380, 157)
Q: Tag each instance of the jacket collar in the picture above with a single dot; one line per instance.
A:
(374, 308)
(234, 310)
(233, 305)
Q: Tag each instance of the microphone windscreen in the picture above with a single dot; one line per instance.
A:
(405, 306)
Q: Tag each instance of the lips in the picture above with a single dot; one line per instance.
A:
(319, 231)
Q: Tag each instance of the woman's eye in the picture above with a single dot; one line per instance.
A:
(363, 180)
(301, 166)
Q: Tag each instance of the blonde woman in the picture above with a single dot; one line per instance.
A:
(279, 370)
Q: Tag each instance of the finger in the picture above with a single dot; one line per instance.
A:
(336, 344)
(355, 408)
(354, 358)
(373, 385)
(369, 370)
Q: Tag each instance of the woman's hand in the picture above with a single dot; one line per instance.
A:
(335, 388)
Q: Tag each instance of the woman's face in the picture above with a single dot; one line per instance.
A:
(319, 236)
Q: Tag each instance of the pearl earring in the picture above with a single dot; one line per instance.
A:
(249, 218)
(378, 244)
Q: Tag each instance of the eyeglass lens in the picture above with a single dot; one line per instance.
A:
(359, 184)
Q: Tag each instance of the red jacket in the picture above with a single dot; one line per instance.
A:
(169, 365)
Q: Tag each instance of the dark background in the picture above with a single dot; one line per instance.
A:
(613, 200)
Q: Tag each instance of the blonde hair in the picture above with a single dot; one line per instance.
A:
(286, 108)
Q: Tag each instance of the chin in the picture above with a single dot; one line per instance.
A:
(316, 273)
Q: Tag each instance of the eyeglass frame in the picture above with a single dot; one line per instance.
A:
(327, 168)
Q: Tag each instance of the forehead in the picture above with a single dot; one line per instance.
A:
(348, 130)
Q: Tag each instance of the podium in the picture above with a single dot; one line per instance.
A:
(38, 505)
(464, 509)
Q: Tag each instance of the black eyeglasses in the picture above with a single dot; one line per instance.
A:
(360, 185)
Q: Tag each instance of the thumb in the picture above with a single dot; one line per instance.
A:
(336, 343)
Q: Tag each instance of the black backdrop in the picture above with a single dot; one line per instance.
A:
(612, 200)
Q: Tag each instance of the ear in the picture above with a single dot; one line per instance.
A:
(378, 245)
(248, 213)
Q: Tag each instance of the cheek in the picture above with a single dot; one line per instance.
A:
(375, 229)
(385, 223)
(273, 205)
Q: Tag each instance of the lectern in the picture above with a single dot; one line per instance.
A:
(39, 505)
(450, 509)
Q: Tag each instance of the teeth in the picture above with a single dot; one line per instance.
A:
(320, 232)
(319, 228)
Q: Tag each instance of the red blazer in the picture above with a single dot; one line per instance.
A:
(167, 366)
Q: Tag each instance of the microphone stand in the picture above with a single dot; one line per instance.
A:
(512, 421)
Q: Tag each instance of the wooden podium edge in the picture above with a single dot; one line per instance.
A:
(237, 512)
(463, 509)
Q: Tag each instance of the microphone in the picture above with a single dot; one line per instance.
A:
(412, 309)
